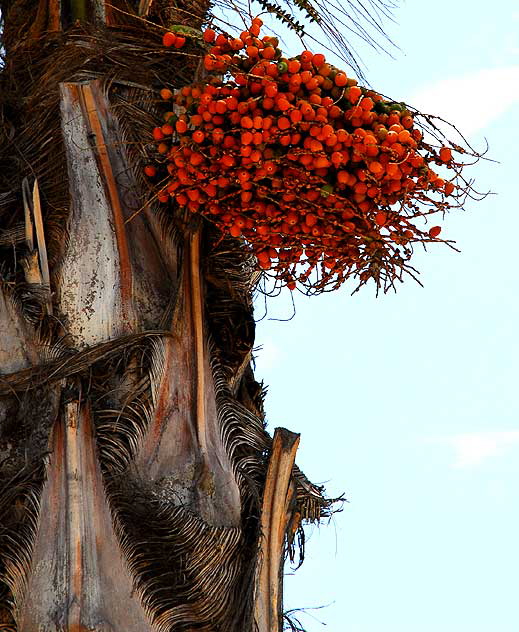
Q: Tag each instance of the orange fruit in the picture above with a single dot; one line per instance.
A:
(166, 94)
(449, 188)
(209, 36)
(445, 154)
(380, 219)
(318, 60)
(169, 39)
(294, 65)
(269, 52)
(353, 94)
(157, 133)
(340, 79)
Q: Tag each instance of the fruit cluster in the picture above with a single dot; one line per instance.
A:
(323, 179)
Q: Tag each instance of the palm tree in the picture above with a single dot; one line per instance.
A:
(139, 489)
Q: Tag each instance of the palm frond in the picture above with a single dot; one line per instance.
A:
(74, 363)
(19, 506)
(190, 574)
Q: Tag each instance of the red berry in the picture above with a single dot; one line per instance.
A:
(169, 39)
(380, 219)
(157, 133)
(209, 36)
(445, 154)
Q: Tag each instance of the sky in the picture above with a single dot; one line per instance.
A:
(407, 403)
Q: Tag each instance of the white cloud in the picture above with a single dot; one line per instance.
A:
(471, 102)
(473, 448)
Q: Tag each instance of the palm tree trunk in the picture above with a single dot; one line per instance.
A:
(139, 489)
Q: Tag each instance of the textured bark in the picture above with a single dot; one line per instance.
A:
(79, 579)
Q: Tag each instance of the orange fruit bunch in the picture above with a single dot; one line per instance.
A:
(323, 178)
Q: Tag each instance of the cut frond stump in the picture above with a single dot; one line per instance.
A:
(275, 516)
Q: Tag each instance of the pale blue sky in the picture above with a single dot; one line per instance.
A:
(408, 403)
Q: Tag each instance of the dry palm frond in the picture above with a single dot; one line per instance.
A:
(230, 276)
(120, 429)
(18, 548)
(12, 236)
(231, 265)
(19, 505)
(243, 434)
(119, 432)
(120, 388)
(312, 504)
(31, 301)
(75, 363)
(7, 198)
(190, 574)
